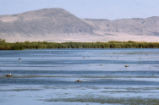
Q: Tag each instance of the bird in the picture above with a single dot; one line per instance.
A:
(126, 66)
(78, 81)
(9, 75)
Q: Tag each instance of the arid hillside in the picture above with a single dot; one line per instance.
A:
(58, 25)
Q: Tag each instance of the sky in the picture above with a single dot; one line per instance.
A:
(101, 9)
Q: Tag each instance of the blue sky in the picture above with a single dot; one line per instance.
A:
(107, 9)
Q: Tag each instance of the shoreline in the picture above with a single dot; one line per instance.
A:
(55, 45)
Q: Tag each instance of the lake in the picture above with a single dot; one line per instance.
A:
(79, 77)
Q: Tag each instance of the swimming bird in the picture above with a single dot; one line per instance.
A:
(78, 81)
(9, 75)
(126, 66)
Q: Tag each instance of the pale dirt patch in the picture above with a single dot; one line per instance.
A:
(78, 37)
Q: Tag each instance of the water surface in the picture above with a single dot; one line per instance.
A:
(49, 76)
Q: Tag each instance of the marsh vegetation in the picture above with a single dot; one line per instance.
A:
(52, 45)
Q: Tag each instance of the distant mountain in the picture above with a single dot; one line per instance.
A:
(43, 22)
(137, 26)
(58, 25)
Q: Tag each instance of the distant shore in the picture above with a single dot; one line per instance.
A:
(52, 45)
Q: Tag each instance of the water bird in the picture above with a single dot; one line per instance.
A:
(9, 75)
(126, 66)
(78, 81)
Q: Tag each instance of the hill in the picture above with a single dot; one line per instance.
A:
(58, 25)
